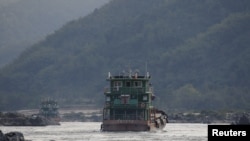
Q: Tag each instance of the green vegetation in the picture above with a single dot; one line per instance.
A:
(196, 51)
(25, 22)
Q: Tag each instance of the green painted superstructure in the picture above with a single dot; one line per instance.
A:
(128, 104)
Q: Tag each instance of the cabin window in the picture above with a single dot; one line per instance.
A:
(145, 98)
(128, 84)
(137, 84)
(117, 84)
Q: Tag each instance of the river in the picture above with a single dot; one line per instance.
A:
(90, 131)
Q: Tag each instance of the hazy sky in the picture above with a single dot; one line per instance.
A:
(24, 22)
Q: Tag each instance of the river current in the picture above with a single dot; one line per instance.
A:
(90, 131)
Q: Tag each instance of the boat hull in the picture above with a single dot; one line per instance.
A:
(129, 125)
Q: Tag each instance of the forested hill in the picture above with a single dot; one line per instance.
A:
(197, 53)
(24, 22)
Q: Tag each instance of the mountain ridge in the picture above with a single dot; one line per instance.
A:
(185, 45)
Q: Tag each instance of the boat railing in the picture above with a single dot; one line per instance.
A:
(126, 117)
(140, 105)
(125, 90)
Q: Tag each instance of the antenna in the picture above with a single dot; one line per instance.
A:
(129, 69)
(109, 75)
(146, 68)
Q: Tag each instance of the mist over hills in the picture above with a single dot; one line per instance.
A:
(25, 22)
(196, 52)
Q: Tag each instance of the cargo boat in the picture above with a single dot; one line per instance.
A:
(128, 104)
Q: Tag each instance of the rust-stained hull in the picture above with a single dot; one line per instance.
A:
(130, 125)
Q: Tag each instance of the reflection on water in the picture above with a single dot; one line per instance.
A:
(90, 131)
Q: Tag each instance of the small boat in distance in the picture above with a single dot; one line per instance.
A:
(48, 115)
(49, 110)
(128, 104)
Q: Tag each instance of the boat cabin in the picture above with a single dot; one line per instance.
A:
(128, 98)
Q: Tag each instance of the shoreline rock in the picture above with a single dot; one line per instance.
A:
(243, 119)
(17, 119)
(11, 136)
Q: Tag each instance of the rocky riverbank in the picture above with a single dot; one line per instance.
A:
(18, 119)
(210, 117)
(26, 117)
(12, 136)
